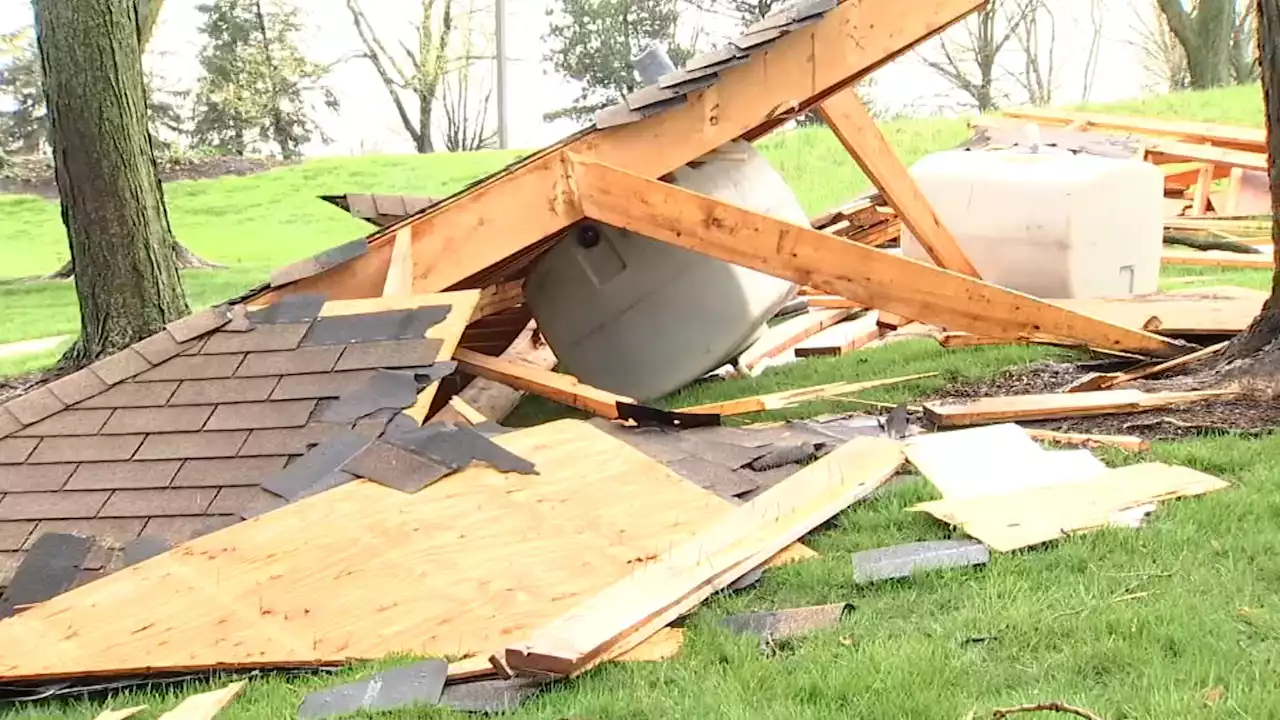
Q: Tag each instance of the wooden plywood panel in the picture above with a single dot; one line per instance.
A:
(1186, 312)
(467, 566)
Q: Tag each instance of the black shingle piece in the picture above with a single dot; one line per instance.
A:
(143, 548)
(409, 324)
(51, 567)
(319, 263)
(291, 309)
(385, 389)
(305, 473)
(490, 696)
(418, 684)
(395, 467)
(457, 447)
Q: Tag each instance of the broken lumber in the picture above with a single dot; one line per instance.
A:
(1023, 518)
(493, 399)
(637, 606)
(789, 398)
(788, 334)
(1128, 443)
(853, 125)
(363, 571)
(663, 645)
(558, 387)
(1265, 260)
(205, 705)
(842, 337)
(1110, 380)
(1230, 136)
(1057, 405)
(875, 278)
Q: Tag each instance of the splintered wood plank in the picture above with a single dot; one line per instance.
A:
(363, 571)
(1110, 380)
(1164, 151)
(513, 210)
(498, 298)
(842, 338)
(558, 387)
(788, 334)
(1218, 258)
(1036, 515)
(642, 603)
(985, 411)
(1128, 443)
(400, 270)
(853, 125)
(205, 706)
(1217, 134)
(664, 645)
(788, 398)
(866, 275)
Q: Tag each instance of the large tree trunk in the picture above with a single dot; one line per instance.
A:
(1258, 348)
(112, 203)
(1205, 35)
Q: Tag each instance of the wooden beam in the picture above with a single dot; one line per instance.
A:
(875, 278)
(1105, 382)
(852, 123)
(399, 280)
(842, 338)
(1160, 151)
(639, 605)
(1018, 408)
(788, 334)
(1218, 258)
(1204, 186)
(789, 398)
(515, 209)
(558, 387)
(1245, 138)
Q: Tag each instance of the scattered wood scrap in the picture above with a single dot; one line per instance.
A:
(205, 705)
(788, 334)
(1121, 442)
(1265, 260)
(789, 398)
(638, 605)
(1019, 519)
(842, 338)
(985, 411)
(1104, 381)
(363, 571)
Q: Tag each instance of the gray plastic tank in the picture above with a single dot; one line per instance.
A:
(643, 318)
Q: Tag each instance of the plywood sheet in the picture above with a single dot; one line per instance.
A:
(467, 566)
(1032, 516)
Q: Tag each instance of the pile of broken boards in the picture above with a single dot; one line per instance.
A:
(519, 559)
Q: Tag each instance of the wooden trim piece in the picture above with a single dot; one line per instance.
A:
(852, 123)
(788, 398)
(1246, 138)
(400, 270)
(1110, 381)
(1016, 408)
(558, 387)
(462, 236)
(1128, 443)
(1218, 258)
(636, 607)
(205, 705)
(842, 338)
(875, 278)
(1161, 151)
(788, 334)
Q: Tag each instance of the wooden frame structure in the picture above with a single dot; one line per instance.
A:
(489, 234)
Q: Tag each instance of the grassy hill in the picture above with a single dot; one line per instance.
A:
(256, 223)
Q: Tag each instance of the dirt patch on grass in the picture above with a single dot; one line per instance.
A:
(1241, 414)
(34, 175)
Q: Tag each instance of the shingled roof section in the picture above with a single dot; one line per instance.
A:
(173, 437)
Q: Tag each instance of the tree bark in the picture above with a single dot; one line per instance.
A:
(112, 202)
(1206, 37)
(1260, 343)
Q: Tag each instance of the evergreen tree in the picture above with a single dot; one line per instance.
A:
(256, 87)
(595, 41)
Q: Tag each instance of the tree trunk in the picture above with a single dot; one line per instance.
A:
(112, 202)
(1259, 346)
(1205, 36)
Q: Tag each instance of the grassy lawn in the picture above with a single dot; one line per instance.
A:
(1178, 619)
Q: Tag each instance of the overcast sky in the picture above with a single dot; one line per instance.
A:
(367, 122)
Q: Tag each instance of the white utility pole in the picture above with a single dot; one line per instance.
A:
(501, 36)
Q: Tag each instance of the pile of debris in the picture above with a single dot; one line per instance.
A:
(315, 473)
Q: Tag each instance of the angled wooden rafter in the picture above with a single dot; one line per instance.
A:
(865, 275)
(853, 125)
(459, 238)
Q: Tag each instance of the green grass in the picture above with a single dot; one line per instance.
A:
(1043, 624)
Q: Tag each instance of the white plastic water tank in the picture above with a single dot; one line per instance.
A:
(1051, 224)
(643, 318)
